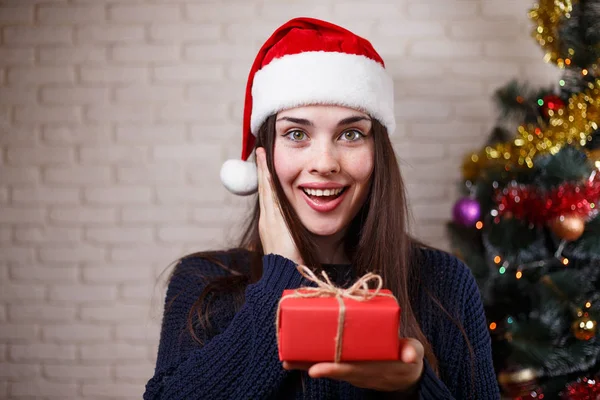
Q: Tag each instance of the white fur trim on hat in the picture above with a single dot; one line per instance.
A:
(319, 77)
(239, 177)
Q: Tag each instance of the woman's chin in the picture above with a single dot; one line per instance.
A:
(327, 230)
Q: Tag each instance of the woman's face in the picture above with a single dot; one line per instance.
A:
(324, 160)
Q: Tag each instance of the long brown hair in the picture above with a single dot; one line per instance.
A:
(376, 241)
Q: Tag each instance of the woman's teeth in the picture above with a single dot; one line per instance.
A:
(326, 192)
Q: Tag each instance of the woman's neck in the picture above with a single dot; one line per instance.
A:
(331, 249)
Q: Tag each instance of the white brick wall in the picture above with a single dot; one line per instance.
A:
(115, 117)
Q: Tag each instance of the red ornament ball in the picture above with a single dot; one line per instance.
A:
(584, 328)
(582, 389)
(552, 103)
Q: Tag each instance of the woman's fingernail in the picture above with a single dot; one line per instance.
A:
(314, 370)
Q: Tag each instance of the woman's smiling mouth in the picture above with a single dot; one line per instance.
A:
(324, 200)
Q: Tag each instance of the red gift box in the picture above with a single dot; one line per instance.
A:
(308, 326)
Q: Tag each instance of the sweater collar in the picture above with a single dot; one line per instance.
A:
(340, 274)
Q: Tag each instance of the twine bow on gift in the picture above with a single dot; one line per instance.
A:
(359, 291)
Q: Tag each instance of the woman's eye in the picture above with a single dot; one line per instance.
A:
(352, 135)
(296, 135)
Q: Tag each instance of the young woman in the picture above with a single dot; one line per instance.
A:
(318, 112)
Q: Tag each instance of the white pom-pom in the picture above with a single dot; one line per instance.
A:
(239, 177)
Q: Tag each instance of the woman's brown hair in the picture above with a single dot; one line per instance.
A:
(376, 241)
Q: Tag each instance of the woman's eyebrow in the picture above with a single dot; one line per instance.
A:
(299, 121)
(352, 120)
(345, 121)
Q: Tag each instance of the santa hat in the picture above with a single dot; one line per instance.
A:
(307, 61)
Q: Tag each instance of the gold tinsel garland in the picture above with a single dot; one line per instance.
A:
(571, 125)
(547, 15)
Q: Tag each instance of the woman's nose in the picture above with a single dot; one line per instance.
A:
(325, 161)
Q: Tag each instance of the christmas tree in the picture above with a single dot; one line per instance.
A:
(528, 224)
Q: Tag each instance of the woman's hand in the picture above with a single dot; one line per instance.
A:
(274, 233)
(387, 376)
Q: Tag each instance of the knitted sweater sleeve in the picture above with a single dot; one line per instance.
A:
(239, 362)
(463, 375)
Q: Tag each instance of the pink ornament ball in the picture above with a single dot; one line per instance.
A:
(466, 212)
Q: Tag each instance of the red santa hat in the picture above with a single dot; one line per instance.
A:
(308, 61)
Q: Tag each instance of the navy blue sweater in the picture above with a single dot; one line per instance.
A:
(239, 358)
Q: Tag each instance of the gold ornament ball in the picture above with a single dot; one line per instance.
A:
(569, 228)
(518, 383)
(584, 328)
